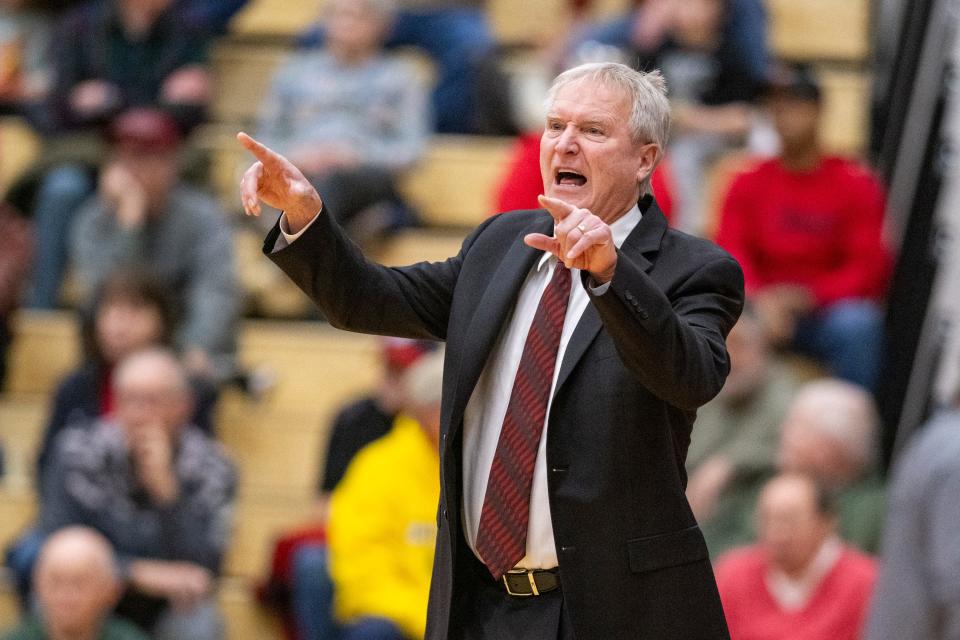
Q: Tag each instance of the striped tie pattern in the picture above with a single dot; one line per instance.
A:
(502, 534)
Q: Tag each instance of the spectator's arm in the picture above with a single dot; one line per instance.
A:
(59, 508)
(67, 69)
(736, 229)
(212, 297)
(196, 526)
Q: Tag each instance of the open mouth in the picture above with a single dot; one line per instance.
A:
(571, 178)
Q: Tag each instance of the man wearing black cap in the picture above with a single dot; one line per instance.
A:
(144, 216)
(806, 228)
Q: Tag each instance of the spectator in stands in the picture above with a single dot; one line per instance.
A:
(455, 34)
(299, 585)
(918, 593)
(647, 25)
(350, 117)
(143, 216)
(77, 588)
(735, 440)
(799, 582)
(712, 86)
(713, 80)
(16, 251)
(25, 69)
(830, 433)
(111, 55)
(130, 312)
(383, 519)
(158, 489)
(807, 229)
(370, 418)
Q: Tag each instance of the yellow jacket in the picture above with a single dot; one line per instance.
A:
(382, 529)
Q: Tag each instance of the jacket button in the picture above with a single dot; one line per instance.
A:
(628, 296)
(644, 314)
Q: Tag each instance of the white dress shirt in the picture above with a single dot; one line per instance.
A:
(488, 404)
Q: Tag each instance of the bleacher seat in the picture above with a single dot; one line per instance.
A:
(834, 30)
(22, 419)
(45, 348)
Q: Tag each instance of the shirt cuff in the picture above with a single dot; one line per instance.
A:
(286, 238)
(597, 289)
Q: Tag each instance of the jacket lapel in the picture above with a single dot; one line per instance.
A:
(644, 240)
(496, 302)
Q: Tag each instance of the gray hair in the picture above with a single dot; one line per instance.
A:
(647, 90)
(843, 412)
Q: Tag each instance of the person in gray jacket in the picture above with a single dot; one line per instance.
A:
(918, 594)
(144, 217)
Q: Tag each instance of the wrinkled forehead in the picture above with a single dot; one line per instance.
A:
(590, 97)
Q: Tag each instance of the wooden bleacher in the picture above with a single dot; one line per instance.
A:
(276, 442)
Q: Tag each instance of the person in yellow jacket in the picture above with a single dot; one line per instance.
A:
(382, 525)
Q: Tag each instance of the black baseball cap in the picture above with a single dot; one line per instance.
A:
(793, 80)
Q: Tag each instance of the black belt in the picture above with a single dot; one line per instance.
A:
(530, 582)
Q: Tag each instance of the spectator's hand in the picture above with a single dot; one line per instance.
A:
(125, 195)
(580, 239)
(779, 308)
(706, 484)
(153, 460)
(184, 584)
(91, 98)
(187, 85)
(274, 180)
(197, 362)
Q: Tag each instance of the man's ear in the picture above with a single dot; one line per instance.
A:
(648, 157)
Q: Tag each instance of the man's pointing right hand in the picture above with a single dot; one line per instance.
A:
(275, 181)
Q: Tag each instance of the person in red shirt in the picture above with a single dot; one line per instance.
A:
(799, 582)
(807, 229)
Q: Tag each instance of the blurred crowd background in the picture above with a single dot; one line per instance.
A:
(187, 451)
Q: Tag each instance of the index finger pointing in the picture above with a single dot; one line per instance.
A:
(262, 153)
(556, 207)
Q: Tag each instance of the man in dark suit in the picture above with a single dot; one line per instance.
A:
(580, 342)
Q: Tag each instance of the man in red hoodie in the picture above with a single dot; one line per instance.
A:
(799, 582)
(807, 229)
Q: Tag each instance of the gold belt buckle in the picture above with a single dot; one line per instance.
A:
(533, 583)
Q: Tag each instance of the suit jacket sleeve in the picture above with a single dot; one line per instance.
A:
(674, 342)
(359, 295)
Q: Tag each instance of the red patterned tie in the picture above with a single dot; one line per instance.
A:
(502, 534)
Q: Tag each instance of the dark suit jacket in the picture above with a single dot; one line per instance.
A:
(642, 359)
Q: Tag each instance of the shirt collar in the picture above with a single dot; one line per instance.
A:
(620, 228)
(792, 594)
